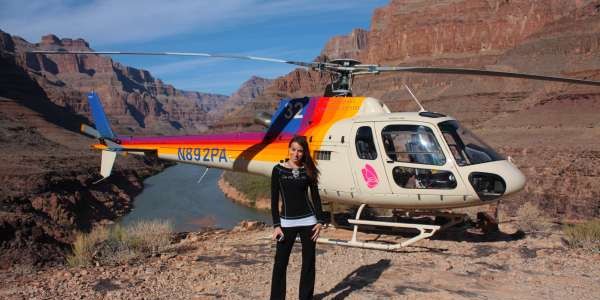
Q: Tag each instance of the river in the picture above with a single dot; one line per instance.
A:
(175, 195)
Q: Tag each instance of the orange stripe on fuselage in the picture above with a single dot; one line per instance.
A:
(325, 113)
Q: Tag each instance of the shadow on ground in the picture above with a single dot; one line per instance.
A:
(458, 233)
(358, 279)
(475, 236)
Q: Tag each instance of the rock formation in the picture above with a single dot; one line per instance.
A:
(134, 100)
(233, 113)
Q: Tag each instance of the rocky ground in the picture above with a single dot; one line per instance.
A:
(237, 264)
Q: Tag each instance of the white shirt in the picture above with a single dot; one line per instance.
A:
(306, 221)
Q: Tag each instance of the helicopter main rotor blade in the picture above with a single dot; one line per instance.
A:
(344, 70)
(214, 55)
(461, 71)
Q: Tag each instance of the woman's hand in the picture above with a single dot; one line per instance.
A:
(277, 232)
(316, 231)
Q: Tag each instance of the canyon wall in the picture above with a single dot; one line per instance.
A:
(134, 100)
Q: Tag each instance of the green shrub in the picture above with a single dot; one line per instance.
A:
(585, 235)
(252, 186)
(116, 244)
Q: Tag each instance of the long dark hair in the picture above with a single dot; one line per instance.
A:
(309, 164)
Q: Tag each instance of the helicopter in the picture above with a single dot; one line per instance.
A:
(422, 163)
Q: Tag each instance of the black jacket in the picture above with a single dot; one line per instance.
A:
(293, 186)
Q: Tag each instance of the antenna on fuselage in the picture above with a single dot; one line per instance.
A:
(414, 98)
(203, 174)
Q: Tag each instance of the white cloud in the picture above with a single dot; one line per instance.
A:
(115, 21)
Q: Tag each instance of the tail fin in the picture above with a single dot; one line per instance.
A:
(104, 133)
(99, 117)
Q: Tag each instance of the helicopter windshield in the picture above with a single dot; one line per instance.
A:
(465, 146)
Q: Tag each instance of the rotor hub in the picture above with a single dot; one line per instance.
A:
(342, 84)
(345, 62)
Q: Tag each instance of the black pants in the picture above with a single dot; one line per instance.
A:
(282, 256)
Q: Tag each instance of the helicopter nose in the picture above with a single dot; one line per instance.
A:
(495, 179)
(514, 178)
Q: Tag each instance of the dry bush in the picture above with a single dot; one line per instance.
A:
(531, 219)
(85, 246)
(115, 249)
(117, 244)
(585, 235)
(147, 237)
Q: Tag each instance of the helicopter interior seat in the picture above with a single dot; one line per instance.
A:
(365, 150)
(402, 176)
(417, 153)
(388, 145)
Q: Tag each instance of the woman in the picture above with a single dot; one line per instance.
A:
(300, 215)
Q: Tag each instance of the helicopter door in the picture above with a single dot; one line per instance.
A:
(366, 160)
(415, 162)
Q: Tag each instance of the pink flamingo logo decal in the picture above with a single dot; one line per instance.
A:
(370, 176)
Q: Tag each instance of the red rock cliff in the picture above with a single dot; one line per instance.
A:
(134, 100)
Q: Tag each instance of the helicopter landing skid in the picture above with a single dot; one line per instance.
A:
(425, 231)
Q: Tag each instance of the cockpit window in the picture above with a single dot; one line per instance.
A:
(465, 146)
(365, 146)
(413, 144)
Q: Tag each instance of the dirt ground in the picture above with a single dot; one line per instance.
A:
(237, 264)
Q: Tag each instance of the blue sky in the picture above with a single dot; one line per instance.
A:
(287, 29)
